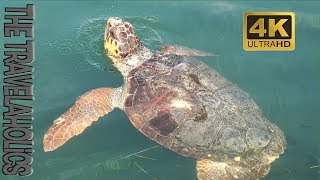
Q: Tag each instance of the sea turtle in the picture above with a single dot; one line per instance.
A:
(180, 103)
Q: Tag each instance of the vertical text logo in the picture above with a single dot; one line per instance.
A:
(18, 90)
(268, 31)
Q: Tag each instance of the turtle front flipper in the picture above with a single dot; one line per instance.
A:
(211, 170)
(88, 108)
(183, 51)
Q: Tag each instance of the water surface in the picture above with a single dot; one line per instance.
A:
(70, 61)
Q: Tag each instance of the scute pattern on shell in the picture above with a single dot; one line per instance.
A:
(191, 109)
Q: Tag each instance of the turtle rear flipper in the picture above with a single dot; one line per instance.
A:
(87, 109)
(183, 51)
(208, 169)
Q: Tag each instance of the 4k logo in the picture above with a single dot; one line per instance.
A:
(269, 31)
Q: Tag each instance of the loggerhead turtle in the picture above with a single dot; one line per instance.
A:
(180, 103)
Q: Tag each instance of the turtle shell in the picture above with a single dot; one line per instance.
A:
(194, 111)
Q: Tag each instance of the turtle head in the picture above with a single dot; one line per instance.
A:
(120, 39)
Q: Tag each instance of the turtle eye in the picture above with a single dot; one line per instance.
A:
(112, 34)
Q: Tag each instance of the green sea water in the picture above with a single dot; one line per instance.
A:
(70, 61)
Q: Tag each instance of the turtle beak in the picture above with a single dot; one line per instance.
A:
(107, 29)
(112, 21)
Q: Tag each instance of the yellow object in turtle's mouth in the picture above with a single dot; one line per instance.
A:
(111, 48)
